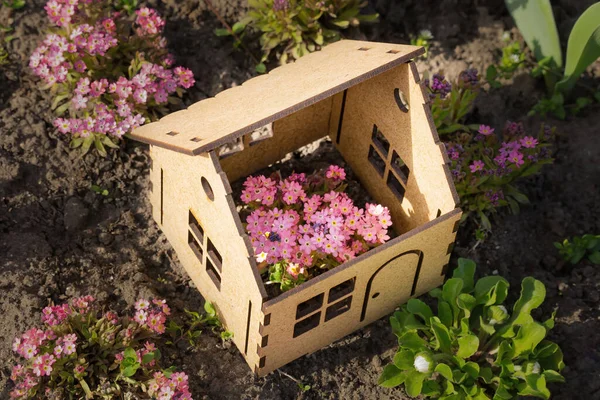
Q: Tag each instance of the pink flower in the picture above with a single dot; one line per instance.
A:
(529, 142)
(485, 130)
(78, 101)
(477, 165)
(336, 173)
(516, 158)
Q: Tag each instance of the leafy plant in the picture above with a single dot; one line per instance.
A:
(83, 353)
(14, 4)
(484, 164)
(513, 57)
(109, 72)
(450, 104)
(581, 247)
(97, 189)
(423, 39)
(536, 23)
(290, 29)
(192, 326)
(485, 168)
(474, 348)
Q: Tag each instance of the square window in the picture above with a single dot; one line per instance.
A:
(196, 248)
(338, 308)
(395, 186)
(214, 255)
(339, 291)
(380, 141)
(196, 228)
(307, 324)
(400, 167)
(213, 273)
(376, 160)
(308, 306)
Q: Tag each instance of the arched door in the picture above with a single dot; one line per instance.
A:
(391, 284)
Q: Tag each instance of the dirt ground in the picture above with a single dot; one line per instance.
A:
(60, 239)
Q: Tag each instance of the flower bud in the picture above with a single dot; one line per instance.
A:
(424, 363)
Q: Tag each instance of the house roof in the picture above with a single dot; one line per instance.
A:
(212, 122)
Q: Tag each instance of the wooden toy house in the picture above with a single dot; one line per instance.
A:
(367, 97)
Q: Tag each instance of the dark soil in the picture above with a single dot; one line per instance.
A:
(60, 239)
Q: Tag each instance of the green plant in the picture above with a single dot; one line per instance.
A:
(191, 327)
(97, 189)
(513, 57)
(81, 352)
(581, 246)
(451, 103)
(14, 4)
(423, 39)
(290, 29)
(536, 23)
(474, 348)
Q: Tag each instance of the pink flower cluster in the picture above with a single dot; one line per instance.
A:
(83, 58)
(294, 224)
(152, 315)
(483, 165)
(174, 387)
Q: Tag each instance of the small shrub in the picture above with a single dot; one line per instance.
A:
(581, 246)
(80, 352)
(474, 348)
(303, 225)
(484, 164)
(485, 167)
(290, 29)
(108, 72)
(450, 104)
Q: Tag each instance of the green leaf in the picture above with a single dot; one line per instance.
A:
(534, 385)
(261, 68)
(533, 293)
(130, 370)
(431, 388)
(583, 47)
(552, 357)
(222, 32)
(411, 340)
(418, 307)
(553, 376)
(148, 357)
(445, 313)
(442, 335)
(392, 376)
(450, 291)
(467, 303)
(238, 27)
(210, 309)
(535, 21)
(404, 359)
(445, 371)
(491, 290)
(466, 272)
(130, 353)
(528, 337)
(414, 383)
(594, 257)
(467, 346)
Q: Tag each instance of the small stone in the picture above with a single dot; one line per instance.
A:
(376, 361)
(562, 287)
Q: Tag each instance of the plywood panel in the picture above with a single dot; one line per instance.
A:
(430, 240)
(183, 190)
(289, 134)
(264, 99)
